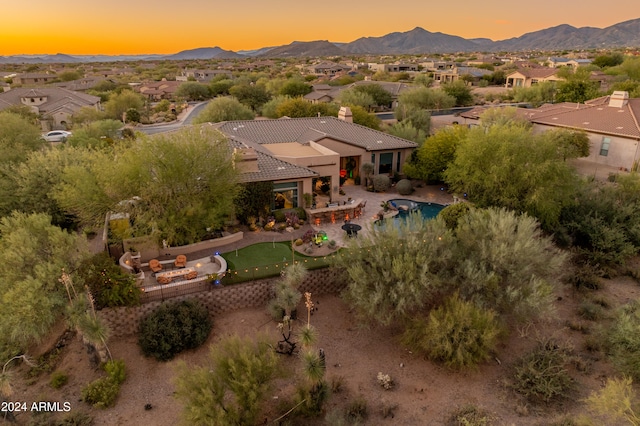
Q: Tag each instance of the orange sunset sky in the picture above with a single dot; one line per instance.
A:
(160, 26)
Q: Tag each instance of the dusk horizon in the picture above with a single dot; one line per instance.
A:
(150, 28)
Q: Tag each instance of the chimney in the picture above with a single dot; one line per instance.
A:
(618, 99)
(345, 114)
(246, 160)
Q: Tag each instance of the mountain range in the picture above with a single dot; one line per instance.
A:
(416, 41)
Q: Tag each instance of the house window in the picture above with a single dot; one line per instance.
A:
(285, 195)
(386, 163)
(373, 158)
(398, 162)
(604, 148)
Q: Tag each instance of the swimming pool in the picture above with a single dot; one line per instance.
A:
(406, 206)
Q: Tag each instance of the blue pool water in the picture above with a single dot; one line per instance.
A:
(427, 210)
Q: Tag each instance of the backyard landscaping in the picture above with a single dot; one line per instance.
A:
(263, 260)
(424, 393)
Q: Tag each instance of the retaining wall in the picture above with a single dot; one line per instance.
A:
(218, 300)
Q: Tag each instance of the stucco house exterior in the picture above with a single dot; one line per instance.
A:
(55, 106)
(30, 79)
(290, 152)
(456, 73)
(527, 77)
(158, 90)
(203, 76)
(611, 122)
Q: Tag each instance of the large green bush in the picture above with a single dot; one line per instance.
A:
(108, 284)
(173, 328)
(623, 340)
(452, 214)
(381, 183)
(457, 333)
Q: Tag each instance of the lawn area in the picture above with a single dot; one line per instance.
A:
(264, 260)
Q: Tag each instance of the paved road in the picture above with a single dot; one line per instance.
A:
(186, 119)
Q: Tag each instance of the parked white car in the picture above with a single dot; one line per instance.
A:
(56, 136)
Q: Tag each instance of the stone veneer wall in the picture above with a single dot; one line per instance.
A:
(218, 300)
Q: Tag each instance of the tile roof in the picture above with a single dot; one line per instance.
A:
(55, 97)
(269, 167)
(534, 72)
(395, 88)
(308, 129)
(594, 116)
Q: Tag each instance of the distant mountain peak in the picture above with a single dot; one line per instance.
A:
(415, 41)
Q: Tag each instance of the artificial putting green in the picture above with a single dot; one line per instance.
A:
(264, 260)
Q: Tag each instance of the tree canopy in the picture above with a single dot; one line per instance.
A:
(460, 91)
(33, 253)
(174, 186)
(507, 165)
(434, 156)
(251, 95)
(224, 109)
(193, 91)
(119, 103)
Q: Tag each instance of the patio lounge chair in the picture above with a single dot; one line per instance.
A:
(155, 265)
(181, 261)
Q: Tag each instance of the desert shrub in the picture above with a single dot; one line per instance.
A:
(457, 333)
(452, 214)
(299, 242)
(623, 340)
(591, 311)
(311, 399)
(585, 276)
(233, 385)
(302, 214)
(617, 402)
(279, 215)
(381, 183)
(58, 379)
(337, 384)
(404, 187)
(337, 417)
(75, 418)
(601, 224)
(101, 393)
(109, 285)
(356, 411)
(541, 375)
(513, 274)
(469, 415)
(116, 370)
(173, 328)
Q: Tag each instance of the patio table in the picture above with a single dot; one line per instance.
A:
(170, 275)
(352, 229)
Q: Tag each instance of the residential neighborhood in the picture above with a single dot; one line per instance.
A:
(324, 233)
